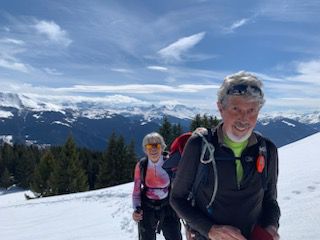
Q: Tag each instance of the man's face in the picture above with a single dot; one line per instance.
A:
(239, 117)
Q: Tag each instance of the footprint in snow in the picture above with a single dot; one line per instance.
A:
(311, 188)
(296, 192)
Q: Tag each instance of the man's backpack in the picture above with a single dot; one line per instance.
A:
(175, 153)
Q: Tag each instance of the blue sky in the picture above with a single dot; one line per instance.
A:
(161, 52)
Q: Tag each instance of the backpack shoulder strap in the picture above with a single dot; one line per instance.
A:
(143, 165)
(207, 156)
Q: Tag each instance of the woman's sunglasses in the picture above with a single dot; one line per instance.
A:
(150, 146)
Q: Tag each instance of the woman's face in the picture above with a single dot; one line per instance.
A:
(153, 151)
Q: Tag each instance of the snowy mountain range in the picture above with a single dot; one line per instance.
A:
(105, 214)
(34, 119)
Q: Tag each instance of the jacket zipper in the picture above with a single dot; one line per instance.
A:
(238, 183)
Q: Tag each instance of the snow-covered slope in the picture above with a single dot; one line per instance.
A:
(99, 215)
(106, 214)
(299, 189)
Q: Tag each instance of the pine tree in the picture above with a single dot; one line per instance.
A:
(59, 179)
(117, 163)
(165, 130)
(77, 176)
(196, 122)
(116, 156)
(68, 175)
(131, 160)
(90, 161)
(40, 184)
(25, 165)
(2, 166)
(5, 180)
(106, 164)
(176, 130)
(8, 158)
(214, 121)
(120, 161)
(205, 121)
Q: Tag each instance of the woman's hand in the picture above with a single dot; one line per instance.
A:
(137, 215)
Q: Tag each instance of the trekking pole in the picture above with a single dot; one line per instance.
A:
(139, 231)
(138, 210)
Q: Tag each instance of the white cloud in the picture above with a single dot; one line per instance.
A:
(308, 72)
(158, 68)
(12, 41)
(309, 67)
(113, 99)
(120, 99)
(290, 11)
(140, 88)
(122, 89)
(52, 71)
(174, 51)
(295, 92)
(121, 70)
(170, 79)
(9, 49)
(72, 100)
(170, 102)
(5, 28)
(197, 87)
(239, 23)
(107, 89)
(299, 104)
(236, 25)
(53, 31)
(12, 65)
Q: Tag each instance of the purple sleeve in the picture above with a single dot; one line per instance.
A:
(136, 194)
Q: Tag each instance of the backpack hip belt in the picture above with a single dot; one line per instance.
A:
(155, 204)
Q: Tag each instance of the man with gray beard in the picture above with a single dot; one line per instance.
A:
(236, 197)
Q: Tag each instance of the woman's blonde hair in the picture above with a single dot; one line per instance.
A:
(153, 137)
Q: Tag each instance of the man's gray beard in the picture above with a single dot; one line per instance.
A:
(237, 139)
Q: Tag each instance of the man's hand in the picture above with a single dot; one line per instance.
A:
(225, 232)
(137, 215)
(273, 232)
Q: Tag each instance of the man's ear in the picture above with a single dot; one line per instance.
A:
(219, 105)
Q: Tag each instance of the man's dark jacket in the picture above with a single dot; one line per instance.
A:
(240, 205)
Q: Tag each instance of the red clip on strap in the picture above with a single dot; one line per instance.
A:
(260, 163)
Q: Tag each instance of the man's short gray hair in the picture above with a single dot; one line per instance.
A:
(242, 78)
(152, 138)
